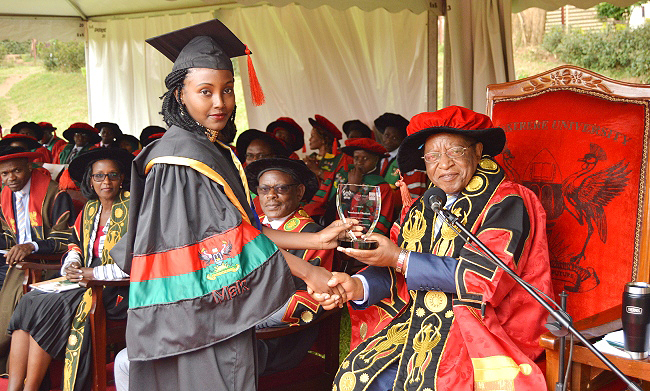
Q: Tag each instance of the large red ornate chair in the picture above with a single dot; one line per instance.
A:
(580, 142)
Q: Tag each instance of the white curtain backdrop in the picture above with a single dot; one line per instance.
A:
(340, 64)
(344, 65)
(478, 50)
(125, 74)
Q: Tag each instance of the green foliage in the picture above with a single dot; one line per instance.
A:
(610, 49)
(14, 47)
(553, 38)
(62, 56)
(56, 97)
(605, 11)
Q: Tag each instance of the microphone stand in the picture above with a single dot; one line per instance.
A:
(560, 316)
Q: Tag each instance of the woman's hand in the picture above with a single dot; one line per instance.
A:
(317, 280)
(312, 164)
(76, 273)
(355, 176)
(329, 236)
(353, 288)
(384, 255)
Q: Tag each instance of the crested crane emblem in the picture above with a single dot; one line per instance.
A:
(587, 193)
(218, 261)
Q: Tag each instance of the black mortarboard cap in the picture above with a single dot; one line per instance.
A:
(206, 45)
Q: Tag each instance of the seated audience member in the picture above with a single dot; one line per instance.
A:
(282, 185)
(365, 154)
(35, 219)
(393, 130)
(290, 133)
(324, 138)
(254, 145)
(50, 140)
(81, 137)
(30, 129)
(109, 132)
(325, 162)
(128, 143)
(55, 325)
(148, 132)
(357, 129)
(460, 319)
(28, 143)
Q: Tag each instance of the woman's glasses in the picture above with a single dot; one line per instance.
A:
(112, 176)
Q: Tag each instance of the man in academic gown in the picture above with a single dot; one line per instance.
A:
(35, 218)
(438, 314)
(281, 185)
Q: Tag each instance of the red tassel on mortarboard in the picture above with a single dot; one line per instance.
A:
(257, 95)
(335, 148)
(66, 182)
(407, 201)
(304, 148)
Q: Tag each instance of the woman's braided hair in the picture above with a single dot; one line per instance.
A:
(175, 113)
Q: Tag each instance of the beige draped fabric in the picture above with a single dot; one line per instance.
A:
(343, 64)
(478, 50)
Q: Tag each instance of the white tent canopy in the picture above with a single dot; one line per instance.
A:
(343, 59)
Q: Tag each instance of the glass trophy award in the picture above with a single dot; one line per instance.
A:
(362, 203)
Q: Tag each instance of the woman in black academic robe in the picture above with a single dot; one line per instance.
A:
(54, 325)
(202, 273)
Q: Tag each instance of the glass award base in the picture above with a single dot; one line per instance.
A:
(359, 244)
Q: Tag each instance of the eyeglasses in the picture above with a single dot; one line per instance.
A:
(112, 176)
(258, 156)
(278, 189)
(452, 153)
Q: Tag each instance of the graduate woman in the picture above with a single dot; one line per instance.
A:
(202, 273)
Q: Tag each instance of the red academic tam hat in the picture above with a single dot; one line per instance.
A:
(292, 127)
(9, 153)
(323, 123)
(453, 120)
(82, 127)
(46, 126)
(365, 144)
(31, 142)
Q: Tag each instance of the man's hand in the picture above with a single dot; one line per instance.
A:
(329, 236)
(18, 253)
(384, 255)
(75, 273)
(353, 288)
(317, 281)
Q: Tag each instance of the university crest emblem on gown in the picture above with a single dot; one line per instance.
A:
(218, 261)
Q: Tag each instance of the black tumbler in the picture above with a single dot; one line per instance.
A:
(636, 319)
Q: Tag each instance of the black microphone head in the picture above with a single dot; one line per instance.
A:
(435, 194)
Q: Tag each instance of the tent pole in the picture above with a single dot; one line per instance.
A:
(432, 60)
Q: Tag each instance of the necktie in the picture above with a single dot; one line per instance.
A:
(384, 166)
(21, 213)
(73, 153)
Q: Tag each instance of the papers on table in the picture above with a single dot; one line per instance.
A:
(55, 285)
(613, 344)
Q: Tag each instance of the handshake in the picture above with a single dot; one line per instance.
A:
(341, 287)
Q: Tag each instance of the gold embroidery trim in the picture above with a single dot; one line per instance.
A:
(205, 170)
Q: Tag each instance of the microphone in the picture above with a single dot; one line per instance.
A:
(436, 198)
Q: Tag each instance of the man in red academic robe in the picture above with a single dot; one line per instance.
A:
(35, 218)
(282, 185)
(438, 314)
